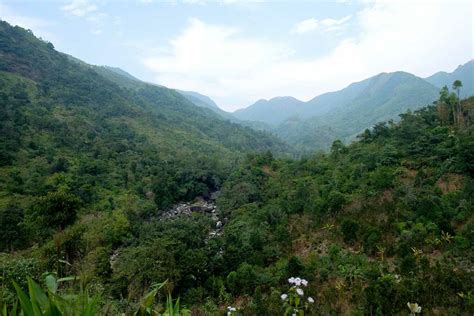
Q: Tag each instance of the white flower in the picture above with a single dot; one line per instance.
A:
(300, 292)
(284, 297)
(311, 300)
(297, 281)
(414, 308)
(291, 280)
(304, 282)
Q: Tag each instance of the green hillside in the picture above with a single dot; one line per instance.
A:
(67, 128)
(122, 198)
(371, 226)
(315, 124)
(345, 114)
(271, 111)
(374, 225)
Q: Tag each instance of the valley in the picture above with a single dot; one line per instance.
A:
(119, 196)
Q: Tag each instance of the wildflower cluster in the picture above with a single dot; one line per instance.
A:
(294, 300)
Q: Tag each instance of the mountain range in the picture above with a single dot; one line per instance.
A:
(388, 84)
(343, 114)
(310, 125)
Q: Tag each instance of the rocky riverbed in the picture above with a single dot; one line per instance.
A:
(199, 205)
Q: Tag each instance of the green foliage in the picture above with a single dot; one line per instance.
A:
(38, 302)
(336, 201)
(91, 163)
(13, 233)
(55, 210)
(349, 229)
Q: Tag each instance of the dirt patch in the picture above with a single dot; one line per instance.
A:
(450, 182)
(268, 171)
(408, 176)
(301, 248)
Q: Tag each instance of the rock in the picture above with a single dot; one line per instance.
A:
(214, 195)
(200, 205)
(113, 258)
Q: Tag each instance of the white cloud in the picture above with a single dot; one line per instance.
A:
(325, 25)
(91, 13)
(236, 69)
(209, 50)
(306, 26)
(208, 57)
(79, 8)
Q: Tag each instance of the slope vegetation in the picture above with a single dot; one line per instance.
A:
(67, 127)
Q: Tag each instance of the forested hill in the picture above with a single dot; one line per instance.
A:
(124, 79)
(371, 226)
(346, 113)
(67, 127)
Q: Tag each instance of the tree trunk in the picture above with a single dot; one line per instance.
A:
(459, 111)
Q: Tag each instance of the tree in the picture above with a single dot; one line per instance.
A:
(12, 232)
(56, 210)
(444, 94)
(349, 230)
(337, 148)
(457, 84)
(336, 201)
(449, 100)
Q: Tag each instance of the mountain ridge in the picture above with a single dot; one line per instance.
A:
(464, 72)
(328, 101)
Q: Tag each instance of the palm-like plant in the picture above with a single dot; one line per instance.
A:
(457, 84)
(172, 309)
(48, 303)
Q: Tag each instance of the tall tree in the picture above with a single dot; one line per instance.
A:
(457, 84)
(448, 101)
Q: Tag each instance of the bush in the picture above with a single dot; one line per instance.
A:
(12, 233)
(349, 229)
(55, 210)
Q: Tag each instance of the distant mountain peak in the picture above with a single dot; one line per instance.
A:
(464, 72)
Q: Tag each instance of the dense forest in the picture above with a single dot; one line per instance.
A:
(95, 172)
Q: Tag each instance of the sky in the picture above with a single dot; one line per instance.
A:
(240, 51)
